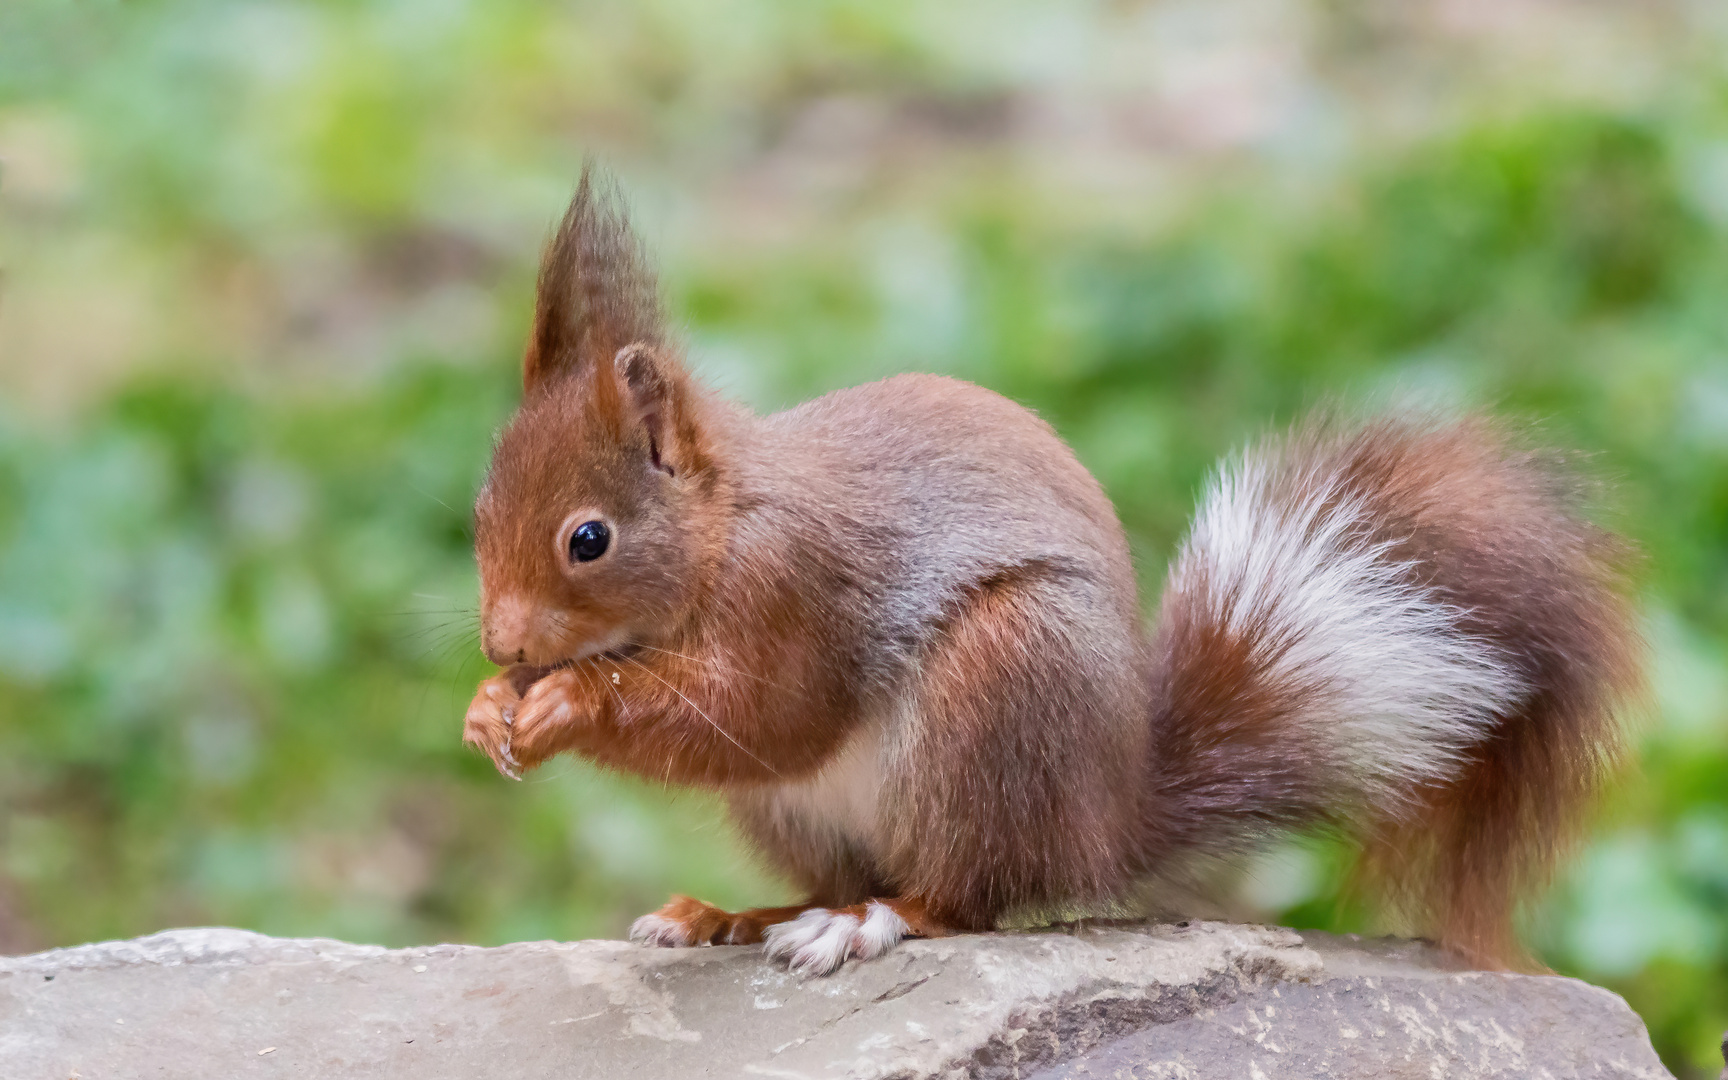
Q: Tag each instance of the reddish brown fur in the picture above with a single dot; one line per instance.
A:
(973, 769)
(1225, 765)
(924, 564)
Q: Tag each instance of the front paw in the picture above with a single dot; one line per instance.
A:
(489, 721)
(541, 723)
(688, 921)
(683, 921)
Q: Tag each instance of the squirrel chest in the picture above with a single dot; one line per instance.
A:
(838, 804)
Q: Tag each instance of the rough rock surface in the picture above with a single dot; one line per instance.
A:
(1120, 1001)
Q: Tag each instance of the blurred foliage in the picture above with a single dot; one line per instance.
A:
(236, 628)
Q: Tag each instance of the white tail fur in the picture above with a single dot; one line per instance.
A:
(1281, 553)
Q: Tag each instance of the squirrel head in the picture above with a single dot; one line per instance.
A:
(602, 512)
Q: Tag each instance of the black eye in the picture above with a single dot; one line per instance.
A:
(588, 541)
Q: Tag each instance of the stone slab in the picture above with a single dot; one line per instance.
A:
(1131, 1000)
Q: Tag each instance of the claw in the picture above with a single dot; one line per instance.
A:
(508, 765)
(657, 930)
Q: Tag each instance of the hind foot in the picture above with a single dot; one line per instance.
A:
(820, 940)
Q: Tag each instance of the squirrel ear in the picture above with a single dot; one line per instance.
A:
(595, 294)
(655, 388)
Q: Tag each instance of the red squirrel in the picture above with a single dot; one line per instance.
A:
(897, 629)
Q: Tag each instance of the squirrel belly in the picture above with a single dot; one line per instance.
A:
(897, 627)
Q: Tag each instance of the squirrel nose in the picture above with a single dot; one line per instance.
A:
(504, 657)
(505, 631)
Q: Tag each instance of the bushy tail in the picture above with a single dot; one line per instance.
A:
(1405, 631)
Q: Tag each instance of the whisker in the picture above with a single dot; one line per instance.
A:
(434, 498)
(703, 715)
(710, 662)
(606, 681)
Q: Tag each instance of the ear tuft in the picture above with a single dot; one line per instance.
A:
(595, 293)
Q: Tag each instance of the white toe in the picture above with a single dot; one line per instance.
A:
(654, 930)
(828, 950)
(882, 930)
(786, 938)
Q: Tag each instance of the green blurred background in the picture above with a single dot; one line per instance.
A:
(266, 273)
